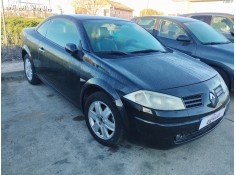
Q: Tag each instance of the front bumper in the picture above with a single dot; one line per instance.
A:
(177, 127)
(172, 130)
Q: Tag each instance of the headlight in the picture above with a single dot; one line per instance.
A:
(224, 86)
(156, 100)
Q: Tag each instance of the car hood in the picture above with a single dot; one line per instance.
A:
(162, 71)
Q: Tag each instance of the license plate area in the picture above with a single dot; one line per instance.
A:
(211, 118)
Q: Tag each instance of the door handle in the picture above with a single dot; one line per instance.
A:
(41, 49)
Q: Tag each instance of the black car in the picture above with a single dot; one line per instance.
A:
(195, 38)
(221, 22)
(123, 78)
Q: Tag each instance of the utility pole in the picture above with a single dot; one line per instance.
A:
(4, 25)
(147, 7)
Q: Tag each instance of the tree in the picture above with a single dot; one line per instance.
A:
(147, 12)
(4, 26)
(90, 7)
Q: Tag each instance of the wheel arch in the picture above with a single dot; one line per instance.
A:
(95, 85)
(25, 50)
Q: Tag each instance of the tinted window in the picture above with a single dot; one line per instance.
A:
(147, 23)
(205, 33)
(62, 32)
(43, 28)
(204, 18)
(222, 24)
(170, 30)
(121, 36)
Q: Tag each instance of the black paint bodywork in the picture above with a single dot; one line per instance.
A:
(220, 56)
(173, 73)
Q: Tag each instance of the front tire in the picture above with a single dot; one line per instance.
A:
(30, 71)
(103, 120)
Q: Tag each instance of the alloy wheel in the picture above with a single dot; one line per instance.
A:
(101, 120)
(28, 69)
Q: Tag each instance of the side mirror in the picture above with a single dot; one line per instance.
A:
(183, 38)
(71, 48)
(232, 32)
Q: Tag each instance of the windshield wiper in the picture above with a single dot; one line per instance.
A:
(213, 43)
(147, 51)
(112, 53)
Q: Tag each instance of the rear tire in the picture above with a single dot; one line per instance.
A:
(103, 120)
(30, 71)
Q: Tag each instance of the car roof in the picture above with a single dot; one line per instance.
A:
(208, 13)
(84, 17)
(174, 18)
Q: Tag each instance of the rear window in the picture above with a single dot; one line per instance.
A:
(147, 23)
(204, 18)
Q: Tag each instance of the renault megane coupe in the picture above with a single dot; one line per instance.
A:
(122, 78)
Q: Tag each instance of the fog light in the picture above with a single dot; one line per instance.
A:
(178, 137)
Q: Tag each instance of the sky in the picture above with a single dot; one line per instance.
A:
(166, 6)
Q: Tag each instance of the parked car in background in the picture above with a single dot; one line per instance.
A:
(221, 22)
(195, 38)
(123, 78)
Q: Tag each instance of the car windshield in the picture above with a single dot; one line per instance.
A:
(205, 33)
(116, 37)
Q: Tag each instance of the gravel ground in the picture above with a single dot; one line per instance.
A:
(12, 53)
(42, 133)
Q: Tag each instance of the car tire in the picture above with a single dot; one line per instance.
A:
(224, 75)
(103, 119)
(30, 71)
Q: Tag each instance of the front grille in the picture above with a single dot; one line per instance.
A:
(219, 90)
(193, 101)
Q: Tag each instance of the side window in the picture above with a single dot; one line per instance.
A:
(43, 28)
(170, 30)
(204, 18)
(221, 24)
(62, 32)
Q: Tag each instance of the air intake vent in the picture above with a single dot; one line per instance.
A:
(219, 90)
(193, 101)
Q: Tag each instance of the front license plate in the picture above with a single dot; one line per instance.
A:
(211, 118)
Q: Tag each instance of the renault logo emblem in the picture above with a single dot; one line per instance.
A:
(213, 99)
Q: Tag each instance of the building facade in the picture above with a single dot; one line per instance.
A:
(115, 9)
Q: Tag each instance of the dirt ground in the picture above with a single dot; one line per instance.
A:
(42, 133)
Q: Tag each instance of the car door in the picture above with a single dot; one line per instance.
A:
(57, 62)
(168, 33)
(41, 31)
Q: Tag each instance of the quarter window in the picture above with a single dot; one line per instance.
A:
(170, 30)
(43, 28)
(62, 32)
